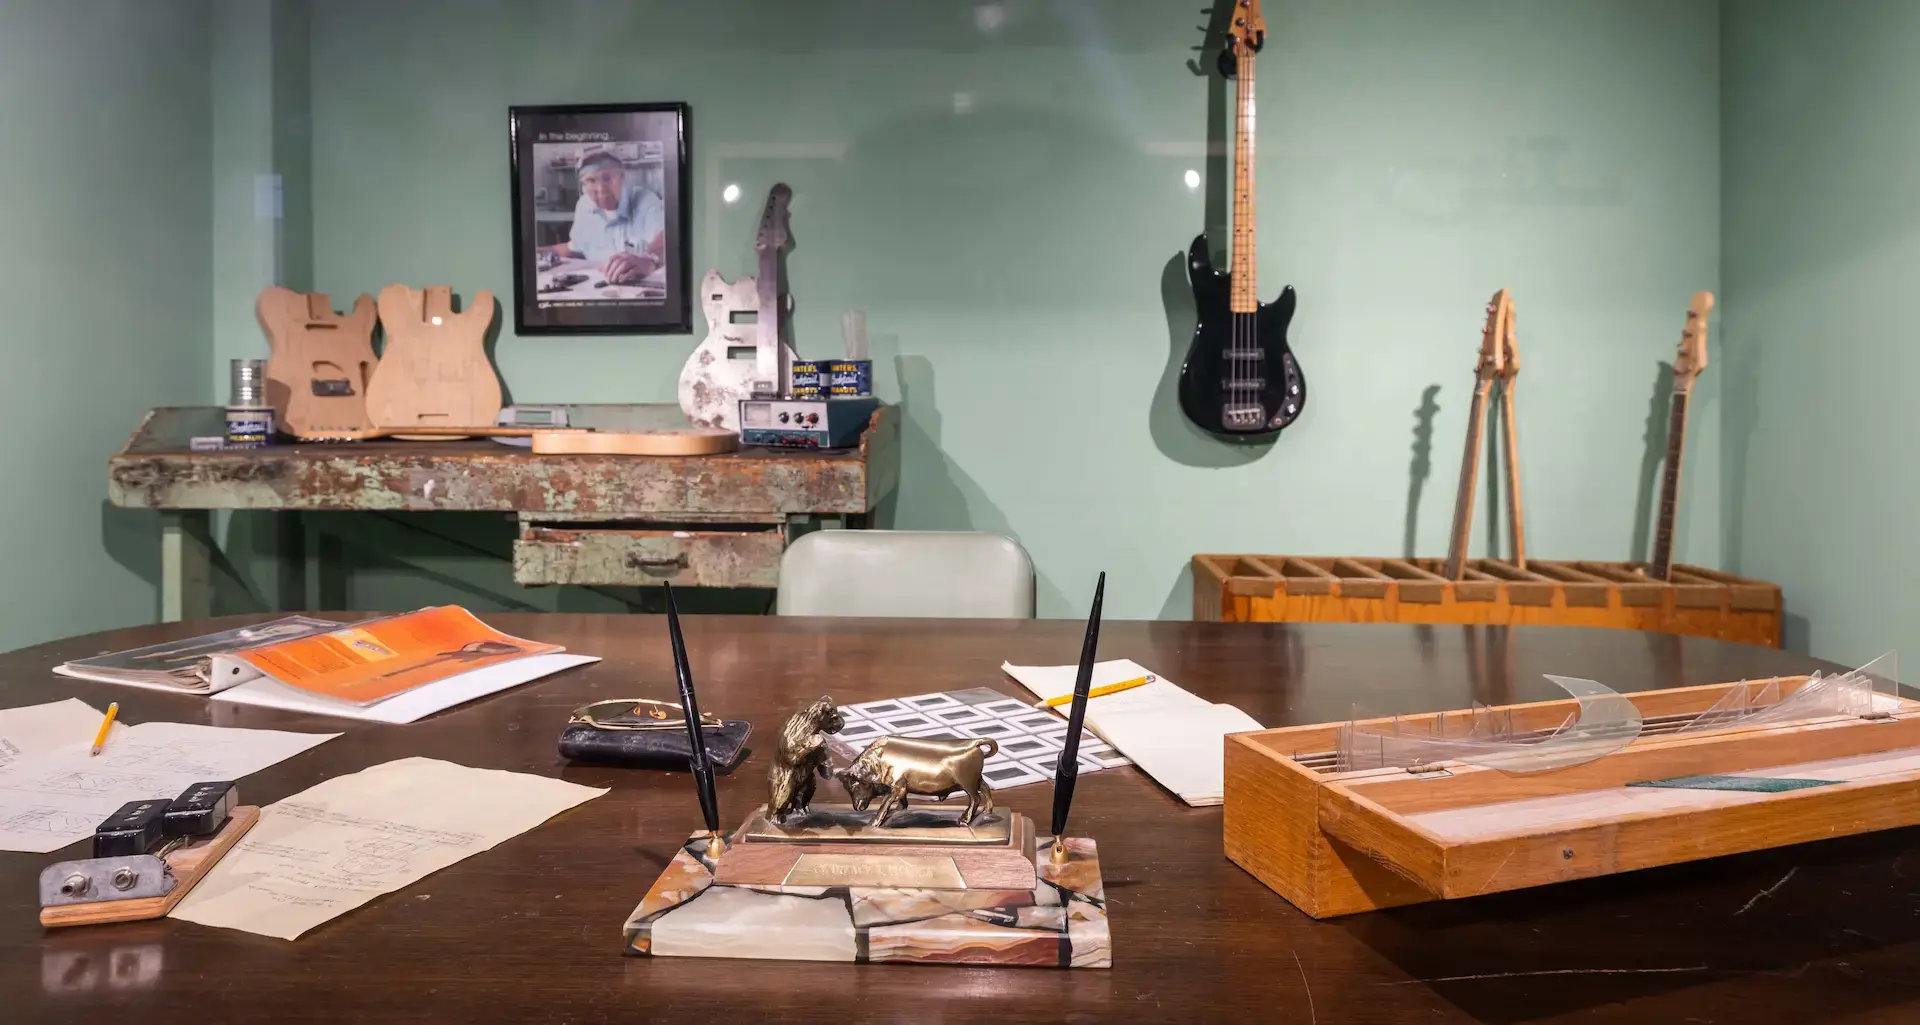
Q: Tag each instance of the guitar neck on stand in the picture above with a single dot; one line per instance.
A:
(1688, 364)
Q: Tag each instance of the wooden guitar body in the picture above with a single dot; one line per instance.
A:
(1255, 393)
(321, 362)
(434, 371)
(720, 371)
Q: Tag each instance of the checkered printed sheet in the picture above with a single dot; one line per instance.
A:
(1030, 738)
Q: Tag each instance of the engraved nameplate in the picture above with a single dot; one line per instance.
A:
(918, 872)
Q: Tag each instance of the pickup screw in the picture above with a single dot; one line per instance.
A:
(1567, 853)
(76, 885)
(124, 878)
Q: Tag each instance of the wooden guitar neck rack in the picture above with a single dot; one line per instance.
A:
(1338, 842)
(1698, 602)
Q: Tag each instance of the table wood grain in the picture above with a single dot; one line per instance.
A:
(530, 931)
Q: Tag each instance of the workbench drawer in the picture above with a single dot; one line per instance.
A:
(590, 556)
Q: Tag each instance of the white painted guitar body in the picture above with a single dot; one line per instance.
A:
(715, 379)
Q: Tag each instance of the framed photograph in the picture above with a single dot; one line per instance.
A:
(600, 214)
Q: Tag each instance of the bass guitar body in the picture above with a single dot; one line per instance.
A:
(1240, 379)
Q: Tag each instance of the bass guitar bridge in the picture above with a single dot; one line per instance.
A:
(1244, 417)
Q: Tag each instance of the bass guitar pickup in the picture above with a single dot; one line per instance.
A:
(146, 857)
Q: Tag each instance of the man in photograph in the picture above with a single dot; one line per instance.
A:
(619, 223)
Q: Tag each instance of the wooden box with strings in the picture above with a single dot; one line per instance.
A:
(1658, 595)
(1696, 601)
(1339, 842)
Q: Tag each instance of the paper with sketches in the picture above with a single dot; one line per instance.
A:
(1174, 735)
(55, 798)
(35, 729)
(333, 847)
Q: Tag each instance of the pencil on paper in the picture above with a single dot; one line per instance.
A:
(1111, 688)
(106, 724)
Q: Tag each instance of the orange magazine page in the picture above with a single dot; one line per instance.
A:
(366, 662)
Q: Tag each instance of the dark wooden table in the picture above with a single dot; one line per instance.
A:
(530, 931)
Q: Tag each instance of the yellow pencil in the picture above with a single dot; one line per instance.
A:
(105, 725)
(1111, 688)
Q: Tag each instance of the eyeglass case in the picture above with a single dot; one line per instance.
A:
(583, 744)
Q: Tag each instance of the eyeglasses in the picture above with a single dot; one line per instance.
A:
(637, 714)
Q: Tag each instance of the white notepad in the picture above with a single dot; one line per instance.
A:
(1176, 736)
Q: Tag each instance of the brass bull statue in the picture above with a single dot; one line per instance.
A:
(898, 766)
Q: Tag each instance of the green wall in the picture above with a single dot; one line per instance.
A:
(105, 285)
(1000, 187)
(1822, 214)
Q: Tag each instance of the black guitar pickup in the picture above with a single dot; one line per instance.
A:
(202, 810)
(135, 829)
(332, 388)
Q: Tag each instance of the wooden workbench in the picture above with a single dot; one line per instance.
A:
(698, 521)
(529, 932)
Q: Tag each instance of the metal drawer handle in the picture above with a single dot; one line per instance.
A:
(660, 567)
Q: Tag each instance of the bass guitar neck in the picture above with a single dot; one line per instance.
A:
(1661, 567)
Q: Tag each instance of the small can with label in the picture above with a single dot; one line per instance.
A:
(249, 418)
(850, 378)
(809, 379)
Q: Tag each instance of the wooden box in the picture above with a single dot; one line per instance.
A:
(1336, 843)
(1338, 589)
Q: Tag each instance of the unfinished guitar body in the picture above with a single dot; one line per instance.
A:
(435, 371)
(321, 362)
(720, 372)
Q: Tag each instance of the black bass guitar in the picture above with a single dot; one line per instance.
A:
(1240, 379)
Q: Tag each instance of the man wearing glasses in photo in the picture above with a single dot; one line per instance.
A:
(619, 224)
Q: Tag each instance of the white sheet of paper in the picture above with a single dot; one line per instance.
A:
(337, 845)
(406, 706)
(55, 798)
(35, 729)
(1174, 735)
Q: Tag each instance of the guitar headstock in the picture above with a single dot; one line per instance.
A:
(1495, 337)
(773, 220)
(1247, 32)
(1692, 358)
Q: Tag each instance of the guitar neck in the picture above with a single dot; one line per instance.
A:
(1662, 563)
(770, 371)
(1246, 293)
(1469, 475)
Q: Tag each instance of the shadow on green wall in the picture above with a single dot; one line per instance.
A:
(1650, 459)
(1420, 468)
(944, 496)
(1740, 361)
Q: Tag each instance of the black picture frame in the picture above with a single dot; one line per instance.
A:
(551, 205)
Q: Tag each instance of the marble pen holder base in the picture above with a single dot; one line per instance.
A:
(1060, 923)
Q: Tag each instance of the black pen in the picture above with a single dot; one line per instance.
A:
(1066, 771)
(690, 708)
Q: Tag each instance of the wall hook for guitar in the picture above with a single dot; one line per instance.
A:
(1499, 361)
(1240, 379)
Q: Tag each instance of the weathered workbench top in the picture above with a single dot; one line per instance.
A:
(159, 470)
(592, 520)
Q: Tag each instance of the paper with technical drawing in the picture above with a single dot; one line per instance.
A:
(35, 729)
(337, 845)
(55, 798)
